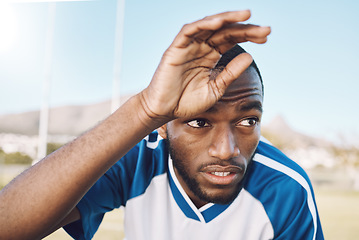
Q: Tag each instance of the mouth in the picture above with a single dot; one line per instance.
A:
(219, 175)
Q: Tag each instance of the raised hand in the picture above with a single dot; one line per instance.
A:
(182, 86)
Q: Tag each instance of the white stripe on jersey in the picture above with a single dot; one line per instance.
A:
(295, 176)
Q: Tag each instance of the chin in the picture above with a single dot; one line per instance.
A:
(221, 197)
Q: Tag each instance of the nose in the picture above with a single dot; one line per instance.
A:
(223, 144)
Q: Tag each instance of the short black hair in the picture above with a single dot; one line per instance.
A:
(231, 54)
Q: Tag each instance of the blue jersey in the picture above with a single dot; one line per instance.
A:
(276, 201)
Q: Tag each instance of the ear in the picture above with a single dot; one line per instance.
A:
(162, 131)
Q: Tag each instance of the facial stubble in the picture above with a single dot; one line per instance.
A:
(194, 186)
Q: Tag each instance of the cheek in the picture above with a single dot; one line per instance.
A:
(249, 143)
(188, 148)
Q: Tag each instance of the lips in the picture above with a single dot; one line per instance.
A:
(222, 175)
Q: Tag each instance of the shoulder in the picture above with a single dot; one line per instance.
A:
(273, 172)
(283, 188)
(269, 158)
(148, 159)
(275, 179)
(148, 153)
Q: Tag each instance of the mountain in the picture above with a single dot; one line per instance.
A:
(65, 120)
(279, 132)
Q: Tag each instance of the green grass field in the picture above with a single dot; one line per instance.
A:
(339, 213)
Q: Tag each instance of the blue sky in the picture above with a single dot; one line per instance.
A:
(308, 65)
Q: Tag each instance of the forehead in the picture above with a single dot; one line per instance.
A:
(247, 84)
(244, 94)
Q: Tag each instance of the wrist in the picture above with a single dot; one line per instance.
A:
(149, 118)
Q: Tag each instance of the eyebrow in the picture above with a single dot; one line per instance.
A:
(252, 105)
(245, 108)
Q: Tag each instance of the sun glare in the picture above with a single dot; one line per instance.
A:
(8, 27)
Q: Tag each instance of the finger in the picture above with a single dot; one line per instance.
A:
(221, 49)
(202, 36)
(257, 40)
(230, 44)
(238, 33)
(204, 27)
(230, 73)
(231, 17)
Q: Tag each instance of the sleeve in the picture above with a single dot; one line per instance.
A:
(109, 192)
(297, 217)
(286, 193)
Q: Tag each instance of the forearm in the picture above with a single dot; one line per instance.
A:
(44, 194)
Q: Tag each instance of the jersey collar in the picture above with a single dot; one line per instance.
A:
(205, 214)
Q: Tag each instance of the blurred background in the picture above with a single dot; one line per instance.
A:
(65, 65)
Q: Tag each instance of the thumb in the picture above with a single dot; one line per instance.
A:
(231, 72)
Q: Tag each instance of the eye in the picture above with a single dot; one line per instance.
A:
(248, 122)
(198, 123)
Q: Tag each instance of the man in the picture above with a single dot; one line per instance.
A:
(204, 175)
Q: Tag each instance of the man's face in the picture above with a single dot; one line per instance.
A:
(211, 151)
